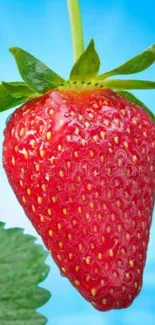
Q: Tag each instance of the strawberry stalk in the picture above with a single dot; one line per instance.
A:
(76, 28)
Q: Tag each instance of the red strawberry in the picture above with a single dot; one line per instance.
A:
(82, 165)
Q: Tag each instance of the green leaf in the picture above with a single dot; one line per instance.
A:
(87, 66)
(137, 64)
(18, 89)
(128, 84)
(8, 101)
(22, 268)
(35, 73)
(136, 101)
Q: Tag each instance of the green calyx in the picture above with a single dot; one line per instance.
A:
(38, 78)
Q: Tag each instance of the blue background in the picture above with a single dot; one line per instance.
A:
(121, 30)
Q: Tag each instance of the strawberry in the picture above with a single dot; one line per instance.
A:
(79, 155)
(82, 166)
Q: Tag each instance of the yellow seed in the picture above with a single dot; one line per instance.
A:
(127, 236)
(125, 145)
(145, 134)
(91, 152)
(41, 128)
(50, 233)
(89, 187)
(39, 200)
(33, 208)
(127, 275)
(29, 191)
(42, 153)
(22, 131)
(61, 173)
(95, 105)
(59, 147)
(99, 256)
(103, 239)
(87, 260)
(93, 292)
(37, 167)
(23, 199)
(65, 212)
(54, 199)
(111, 252)
(69, 236)
(116, 140)
(86, 124)
(106, 122)
(13, 161)
(61, 122)
(119, 228)
(108, 229)
(88, 277)
(21, 183)
(91, 204)
(136, 285)
(123, 251)
(32, 122)
(80, 117)
(93, 303)
(51, 111)
(83, 197)
(70, 256)
(123, 112)
(102, 282)
(42, 219)
(102, 135)
(80, 246)
(77, 282)
(131, 263)
(83, 142)
(16, 148)
(95, 138)
(104, 301)
(43, 187)
(60, 244)
(91, 115)
(77, 268)
(115, 275)
(134, 159)
(68, 164)
(48, 135)
(59, 257)
(49, 211)
(79, 209)
(76, 154)
(26, 155)
(76, 132)
(63, 269)
(59, 225)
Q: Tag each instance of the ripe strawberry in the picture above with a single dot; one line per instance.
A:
(82, 165)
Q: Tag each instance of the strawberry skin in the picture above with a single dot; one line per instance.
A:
(82, 165)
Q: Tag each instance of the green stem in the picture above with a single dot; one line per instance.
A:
(76, 28)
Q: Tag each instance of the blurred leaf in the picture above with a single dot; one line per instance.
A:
(18, 89)
(35, 73)
(22, 268)
(137, 64)
(136, 101)
(87, 66)
(8, 101)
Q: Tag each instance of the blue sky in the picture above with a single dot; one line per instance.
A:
(121, 29)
